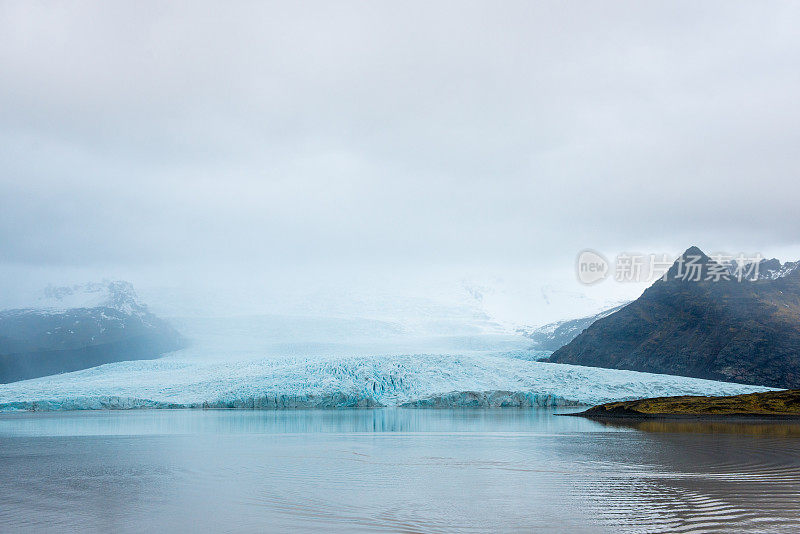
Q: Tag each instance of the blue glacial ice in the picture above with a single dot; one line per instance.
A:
(425, 380)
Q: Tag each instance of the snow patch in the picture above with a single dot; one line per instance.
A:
(118, 295)
(780, 272)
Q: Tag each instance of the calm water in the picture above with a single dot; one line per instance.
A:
(391, 470)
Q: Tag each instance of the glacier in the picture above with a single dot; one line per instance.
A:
(394, 353)
(419, 381)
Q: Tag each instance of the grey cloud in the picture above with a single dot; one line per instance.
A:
(372, 132)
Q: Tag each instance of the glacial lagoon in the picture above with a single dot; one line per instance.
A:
(392, 470)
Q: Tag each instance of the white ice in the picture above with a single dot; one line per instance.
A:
(419, 380)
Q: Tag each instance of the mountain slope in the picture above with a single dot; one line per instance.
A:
(741, 331)
(79, 327)
(553, 336)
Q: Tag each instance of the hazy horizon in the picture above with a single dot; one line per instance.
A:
(394, 150)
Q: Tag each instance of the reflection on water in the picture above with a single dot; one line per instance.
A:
(150, 422)
(756, 428)
(392, 470)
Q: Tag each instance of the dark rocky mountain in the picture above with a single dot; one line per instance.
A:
(553, 336)
(79, 327)
(711, 320)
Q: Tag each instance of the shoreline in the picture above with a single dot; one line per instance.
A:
(721, 418)
(778, 406)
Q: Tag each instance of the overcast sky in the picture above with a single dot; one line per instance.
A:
(480, 136)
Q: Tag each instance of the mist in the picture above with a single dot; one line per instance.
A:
(311, 156)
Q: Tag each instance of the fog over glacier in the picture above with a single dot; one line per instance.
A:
(374, 191)
(280, 151)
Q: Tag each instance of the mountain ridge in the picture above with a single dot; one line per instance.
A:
(81, 326)
(744, 331)
(553, 336)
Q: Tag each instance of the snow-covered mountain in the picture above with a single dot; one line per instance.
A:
(773, 269)
(553, 336)
(70, 328)
(701, 325)
(117, 294)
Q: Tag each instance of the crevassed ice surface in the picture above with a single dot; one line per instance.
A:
(296, 362)
(420, 380)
